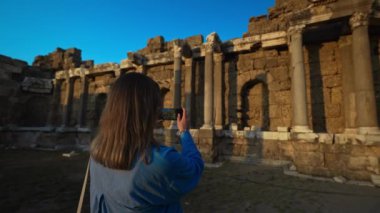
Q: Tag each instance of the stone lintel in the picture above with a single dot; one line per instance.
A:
(37, 85)
(106, 67)
(81, 72)
(159, 58)
(274, 42)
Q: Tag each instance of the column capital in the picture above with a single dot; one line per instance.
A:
(82, 72)
(359, 19)
(209, 47)
(218, 57)
(188, 62)
(297, 29)
(177, 50)
(212, 43)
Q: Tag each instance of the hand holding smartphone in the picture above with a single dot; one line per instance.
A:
(170, 113)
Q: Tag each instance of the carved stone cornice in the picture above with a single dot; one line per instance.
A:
(359, 19)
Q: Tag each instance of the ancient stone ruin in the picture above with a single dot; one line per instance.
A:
(301, 86)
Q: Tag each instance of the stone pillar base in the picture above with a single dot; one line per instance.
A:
(350, 131)
(206, 126)
(218, 127)
(368, 131)
(303, 129)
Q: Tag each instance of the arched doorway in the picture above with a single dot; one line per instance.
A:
(255, 104)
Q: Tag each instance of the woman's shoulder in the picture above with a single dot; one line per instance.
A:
(167, 154)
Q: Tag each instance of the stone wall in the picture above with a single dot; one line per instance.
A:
(375, 46)
(324, 87)
(62, 59)
(25, 94)
(355, 162)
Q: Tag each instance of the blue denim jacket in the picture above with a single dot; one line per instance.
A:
(154, 187)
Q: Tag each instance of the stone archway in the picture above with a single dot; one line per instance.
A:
(255, 104)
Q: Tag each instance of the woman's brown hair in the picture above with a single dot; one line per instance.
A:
(127, 122)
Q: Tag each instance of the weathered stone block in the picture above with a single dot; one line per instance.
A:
(332, 81)
(310, 159)
(271, 62)
(280, 73)
(206, 133)
(336, 95)
(333, 110)
(259, 63)
(271, 150)
(336, 162)
(306, 147)
(357, 163)
(287, 150)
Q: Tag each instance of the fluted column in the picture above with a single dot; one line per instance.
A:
(218, 87)
(54, 104)
(83, 101)
(208, 88)
(345, 50)
(67, 107)
(364, 88)
(188, 88)
(300, 121)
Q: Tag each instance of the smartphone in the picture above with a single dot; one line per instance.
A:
(170, 113)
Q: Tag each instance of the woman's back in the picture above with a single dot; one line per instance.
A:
(153, 187)
(130, 171)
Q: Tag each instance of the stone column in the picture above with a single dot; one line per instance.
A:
(208, 89)
(83, 102)
(300, 121)
(117, 72)
(345, 50)
(188, 88)
(54, 104)
(218, 87)
(68, 100)
(364, 88)
(176, 86)
(177, 76)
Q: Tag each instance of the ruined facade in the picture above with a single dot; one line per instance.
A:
(302, 85)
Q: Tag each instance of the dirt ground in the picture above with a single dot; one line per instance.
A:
(44, 181)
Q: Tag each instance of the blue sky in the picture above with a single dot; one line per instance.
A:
(105, 30)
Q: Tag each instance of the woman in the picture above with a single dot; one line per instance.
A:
(130, 171)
